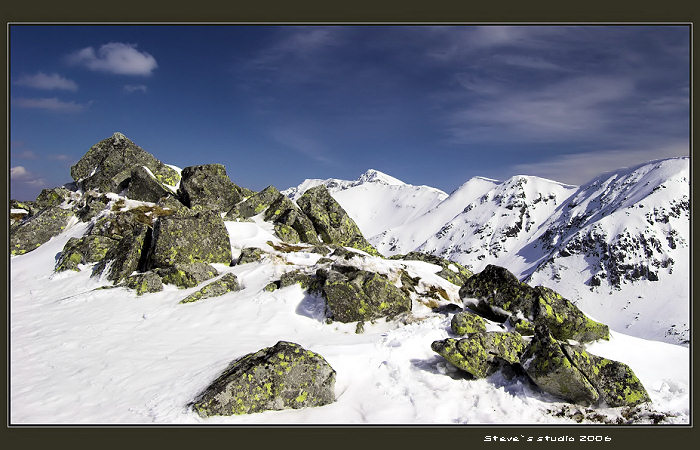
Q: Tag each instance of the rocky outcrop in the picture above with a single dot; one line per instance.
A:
(280, 377)
(107, 165)
(359, 295)
(38, 229)
(254, 205)
(209, 187)
(453, 272)
(123, 259)
(499, 295)
(223, 285)
(291, 225)
(182, 239)
(48, 198)
(481, 354)
(330, 220)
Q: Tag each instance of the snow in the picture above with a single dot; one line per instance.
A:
(85, 356)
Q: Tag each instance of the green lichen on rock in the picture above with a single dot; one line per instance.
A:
(272, 286)
(107, 165)
(84, 250)
(48, 198)
(306, 281)
(465, 322)
(144, 283)
(481, 354)
(223, 285)
(564, 320)
(453, 272)
(358, 295)
(616, 382)
(498, 293)
(38, 229)
(90, 205)
(187, 275)
(144, 187)
(522, 326)
(209, 187)
(183, 239)
(551, 369)
(254, 204)
(291, 225)
(280, 377)
(331, 221)
(250, 254)
(123, 259)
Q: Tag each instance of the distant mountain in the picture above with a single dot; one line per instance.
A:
(376, 201)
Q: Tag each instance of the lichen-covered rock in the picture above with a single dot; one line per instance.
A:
(223, 285)
(208, 186)
(27, 206)
(498, 293)
(549, 367)
(255, 204)
(353, 295)
(331, 221)
(297, 277)
(250, 254)
(274, 378)
(272, 286)
(522, 326)
(145, 187)
(84, 250)
(51, 197)
(90, 205)
(564, 320)
(124, 258)
(481, 354)
(187, 275)
(171, 203)
(451, 271)
(291, 225)
(145, 283)
(465, 322)
(182, 239)
(616, 382)
(38, 229)
(107, 165)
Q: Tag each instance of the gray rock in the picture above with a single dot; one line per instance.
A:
(38, 229)
(84, 250)
(254, 205)
(274, 378)
(124, 258)
(291, 225)
(358, 295)
(181, 239)
(459, 277)
(142, 186)
(223, 285)
(107, 165)
(208, 186)
(51, 197)
(481, 354)
(331, 221)
(145, 283)
(250, 254)
(465, 322)
(187, 275)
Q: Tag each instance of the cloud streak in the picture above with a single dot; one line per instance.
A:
(21, 175)
(116, 58)
(51, 104)
(131, 88)
(49, 82)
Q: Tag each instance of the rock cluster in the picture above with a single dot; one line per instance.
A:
(550, 358)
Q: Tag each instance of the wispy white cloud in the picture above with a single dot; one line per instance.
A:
(131, 88)
(115, 57)
(59, 157)
(51, 81)
(22, 175)
(26, 154)
(51, 104)
(579, 168)
(301, 143)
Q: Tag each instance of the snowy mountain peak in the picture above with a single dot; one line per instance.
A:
(375, 176)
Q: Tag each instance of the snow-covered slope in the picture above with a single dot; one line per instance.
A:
(376, 201)
(620, 247)
(80, 355)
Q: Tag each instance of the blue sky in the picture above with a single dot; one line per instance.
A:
(432, 105)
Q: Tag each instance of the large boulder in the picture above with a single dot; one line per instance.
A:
(551, 369)
(280, 377)
(616, 382)
(84, 250)
(255, 204)
(498, 295)
(124, 258)
(453, 272)
(330, 220)
(209, 187)
(465, 322)
(181, 239)
(223, 285)
(143, 283)
(291, 225)
(38, 229)
(145, 187)
(359, 295)
(481, 354)
(107, 165)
